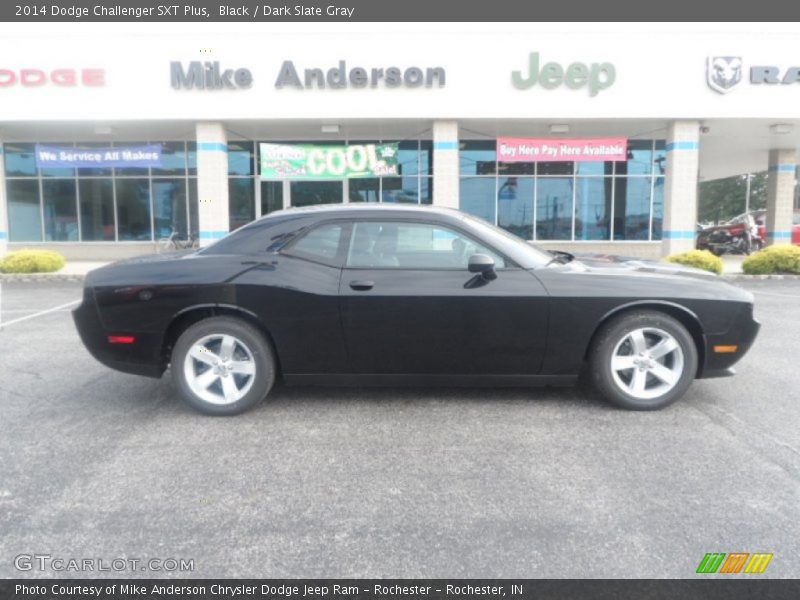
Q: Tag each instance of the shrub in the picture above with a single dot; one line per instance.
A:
(699, 259)
(31, 261)
(773, 259)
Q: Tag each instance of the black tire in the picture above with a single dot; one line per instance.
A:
(614, 333)
(248, 338)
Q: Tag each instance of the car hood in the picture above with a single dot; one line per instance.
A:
(622, 264)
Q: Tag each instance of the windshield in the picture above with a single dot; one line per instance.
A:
(525, 253)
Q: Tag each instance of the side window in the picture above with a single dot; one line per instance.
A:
(321, 244)
(412, 246)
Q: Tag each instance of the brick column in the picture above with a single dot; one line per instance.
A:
(780, 196)
(445, 163)
(212, 182)
(680, 186)
(3, 204)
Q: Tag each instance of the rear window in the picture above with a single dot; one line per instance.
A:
(320, 244)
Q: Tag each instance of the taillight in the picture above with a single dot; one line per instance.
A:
(121, 339)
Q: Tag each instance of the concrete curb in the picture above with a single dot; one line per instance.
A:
(742, 276)
(41, 277)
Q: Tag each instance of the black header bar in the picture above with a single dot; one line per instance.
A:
(396, 10)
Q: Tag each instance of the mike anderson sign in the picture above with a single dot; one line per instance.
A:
(561, 150)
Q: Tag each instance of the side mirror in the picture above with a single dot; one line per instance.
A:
(483, 265)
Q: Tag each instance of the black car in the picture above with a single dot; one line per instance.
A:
(392, 295)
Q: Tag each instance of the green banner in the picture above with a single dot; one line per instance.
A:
(309, 161)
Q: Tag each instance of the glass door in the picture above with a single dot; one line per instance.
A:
(271, 196)
(309, 193)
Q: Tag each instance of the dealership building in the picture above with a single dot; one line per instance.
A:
(582, 137)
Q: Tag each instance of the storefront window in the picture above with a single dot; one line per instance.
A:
(554, 208)
(632, 208)
(400, 189)
(194, 219)
(593, 208)
(240, 158)
(477, 197)
(133, 210)
(60, 210)
(97, 209)
(477, 157)
(173, 159)
(573, 200)
(364, 190)
(515, 205)
(126, 193)
(658, 207)
(640, 158)
(24, 211)
(271, 196)
(169, 207)
(99, 171)
(241, 201)
(408, 158)
(426, 190)
(20, 159)
(308, 193)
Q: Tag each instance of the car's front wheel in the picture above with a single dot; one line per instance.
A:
(222, 366)
(643, 360)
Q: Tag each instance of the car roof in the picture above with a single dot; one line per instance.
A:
(365, 207)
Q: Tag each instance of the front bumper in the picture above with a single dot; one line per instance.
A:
(742, 334)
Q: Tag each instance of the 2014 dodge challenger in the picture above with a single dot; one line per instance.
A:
(393, 295)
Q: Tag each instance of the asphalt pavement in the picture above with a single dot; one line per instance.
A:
(329, 482)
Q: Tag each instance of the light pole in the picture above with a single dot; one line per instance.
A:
(749, 178)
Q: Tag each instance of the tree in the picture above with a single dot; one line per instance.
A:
(723, 199)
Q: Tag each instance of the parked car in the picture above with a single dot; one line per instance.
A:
(398, 294)
(708, 237)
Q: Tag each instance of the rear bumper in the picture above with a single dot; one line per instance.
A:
(741, 334)
(139, 358)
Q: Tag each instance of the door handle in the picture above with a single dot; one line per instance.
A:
(362, 286)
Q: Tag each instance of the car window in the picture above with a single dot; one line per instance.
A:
(796, 218)
(321, 244)
(412, 246)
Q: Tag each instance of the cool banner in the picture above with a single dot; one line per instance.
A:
(309, 161)
(59, 157)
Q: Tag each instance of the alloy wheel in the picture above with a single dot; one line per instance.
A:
(647, 363)
(219, 369)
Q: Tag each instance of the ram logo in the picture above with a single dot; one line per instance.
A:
(723, 73)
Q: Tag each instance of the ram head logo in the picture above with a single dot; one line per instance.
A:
(723, 73)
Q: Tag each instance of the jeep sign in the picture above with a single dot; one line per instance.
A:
(595, 77)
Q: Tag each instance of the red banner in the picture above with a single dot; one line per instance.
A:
(561, 150)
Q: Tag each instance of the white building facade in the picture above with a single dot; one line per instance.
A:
(692, 102)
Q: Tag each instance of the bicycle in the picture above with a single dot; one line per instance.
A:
(173, 242)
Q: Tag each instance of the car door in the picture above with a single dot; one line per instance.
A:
(409, 305)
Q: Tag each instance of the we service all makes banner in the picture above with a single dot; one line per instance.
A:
(59, 157)
(309, 161)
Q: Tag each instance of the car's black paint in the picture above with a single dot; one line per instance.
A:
(532, 324)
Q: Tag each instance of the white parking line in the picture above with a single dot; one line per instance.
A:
(39, 314)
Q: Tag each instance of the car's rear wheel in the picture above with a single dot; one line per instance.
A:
(222, 366)
(643, 360)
